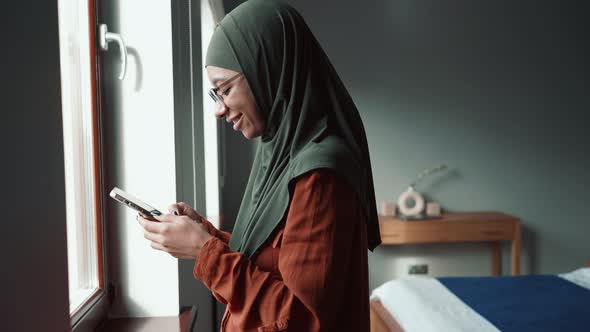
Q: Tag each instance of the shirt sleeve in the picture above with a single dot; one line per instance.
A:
(313, 262)
(223, 236)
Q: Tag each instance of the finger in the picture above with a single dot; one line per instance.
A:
(154, 237)
(159, 246)
(185, 209)
(174, 209)
(150, 226)
(166, 218)
(159, 238)
(146, 216)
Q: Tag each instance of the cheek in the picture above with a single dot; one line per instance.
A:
(257, 123)
(254, 124)
(255, 120)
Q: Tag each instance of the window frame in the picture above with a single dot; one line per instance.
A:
(94, 310)
(192, 171)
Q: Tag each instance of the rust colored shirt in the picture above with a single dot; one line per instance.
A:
(311, 274)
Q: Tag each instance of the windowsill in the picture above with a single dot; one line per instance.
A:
(148, 324)
(79, 297)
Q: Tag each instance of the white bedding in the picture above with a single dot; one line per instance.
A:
(409, 300)
(580, 277)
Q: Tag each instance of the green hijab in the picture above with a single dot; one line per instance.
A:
(311, 120)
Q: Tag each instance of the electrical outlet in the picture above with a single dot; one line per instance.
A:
(418, 269)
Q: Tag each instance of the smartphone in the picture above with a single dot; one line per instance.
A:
(131, 201)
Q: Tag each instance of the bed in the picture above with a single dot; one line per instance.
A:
(484, 304)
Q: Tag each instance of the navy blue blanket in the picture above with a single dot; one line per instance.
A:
(536, 303)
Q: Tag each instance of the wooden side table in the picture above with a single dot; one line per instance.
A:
(490, 227)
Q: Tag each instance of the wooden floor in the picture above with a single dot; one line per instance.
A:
(147, 324)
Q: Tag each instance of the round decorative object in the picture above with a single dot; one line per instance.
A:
(411, 202)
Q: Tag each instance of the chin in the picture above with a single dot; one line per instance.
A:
(250, 134)
(246, 135)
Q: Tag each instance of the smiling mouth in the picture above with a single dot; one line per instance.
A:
(238, 122)
(228, 119)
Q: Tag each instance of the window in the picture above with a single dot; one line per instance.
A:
(80, 132)
(210, 13)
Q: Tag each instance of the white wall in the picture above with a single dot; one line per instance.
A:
(139, 129)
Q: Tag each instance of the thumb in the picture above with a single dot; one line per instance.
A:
(174, 209)
(184, 208)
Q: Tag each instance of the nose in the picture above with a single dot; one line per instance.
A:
(220, 110)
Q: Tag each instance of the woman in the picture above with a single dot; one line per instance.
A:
(297, 257)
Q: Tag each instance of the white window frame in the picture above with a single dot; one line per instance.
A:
(81, 163)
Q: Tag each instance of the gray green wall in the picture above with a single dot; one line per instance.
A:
(497, 90)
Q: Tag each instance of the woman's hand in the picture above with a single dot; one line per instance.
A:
(183, 209)
(180, 236)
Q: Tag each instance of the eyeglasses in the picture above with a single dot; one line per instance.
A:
(217, 98)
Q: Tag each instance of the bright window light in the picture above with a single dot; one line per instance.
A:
(78, 125)
(209, 122)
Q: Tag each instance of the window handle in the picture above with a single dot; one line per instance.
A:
(105, 38)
